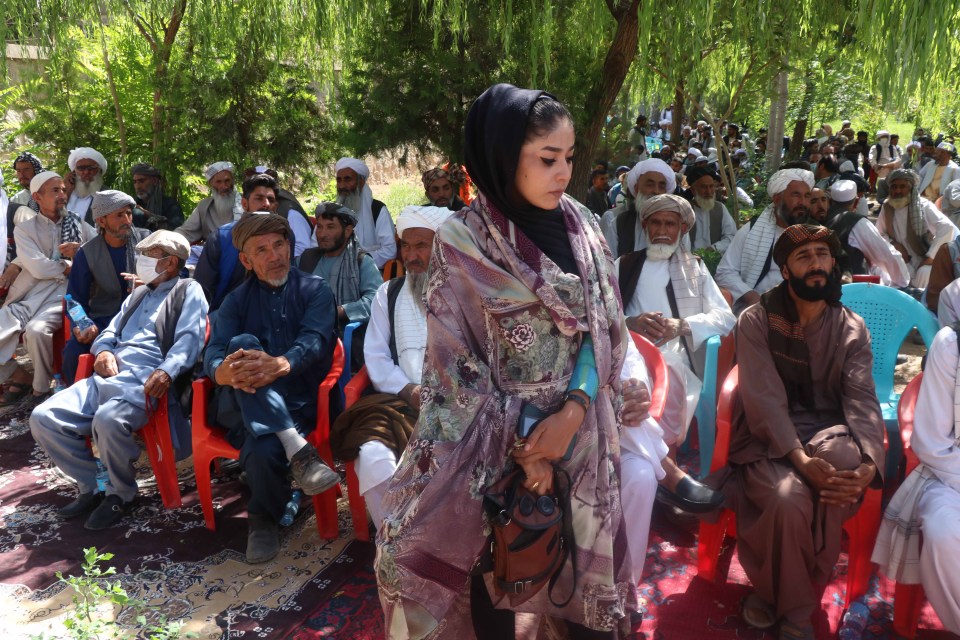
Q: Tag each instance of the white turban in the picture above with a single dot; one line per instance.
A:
(846, 166)
(646, 166)
(843, 191)
(216, 168)
(86, 152)
(352, 163)
(883, 133)
(781, 179)
(41, 178)
(414, 217)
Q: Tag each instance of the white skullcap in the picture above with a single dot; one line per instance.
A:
(172, 243)
(352, 163)
(80, 153)
(666, 123)
(701, 122)
(778, 182)
(41, 178)
(846, 166)
(693, 151)
(108, 201)
(216, 168)
(646, 166)
(414, 217)
(843, 191)
(883, 133)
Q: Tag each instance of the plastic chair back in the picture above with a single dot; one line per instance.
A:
(657, 368)
(866, 277)
(890, 315)
(392, 268)
(358, 507)
(905, 411)
(348, 351)
(719, 359)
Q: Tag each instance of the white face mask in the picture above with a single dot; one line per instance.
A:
(147, 268)
(884, 141)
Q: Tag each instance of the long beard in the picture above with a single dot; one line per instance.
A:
(899, 203)
(351, 201)
(86, 189)
(705, 203)
(418, 287)
(223, 205)
(638, 201)
(659, 251)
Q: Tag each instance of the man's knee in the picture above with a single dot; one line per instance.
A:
(841, 451)
(244, 341)
(637, 476)
(793, 503)
(37, 330)
(40, 422)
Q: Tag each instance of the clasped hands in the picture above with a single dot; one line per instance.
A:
(834, 487)
(655, 327)
(250, 369)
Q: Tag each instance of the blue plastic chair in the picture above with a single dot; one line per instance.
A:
(706, 413)
(890, 315)
(347, 348)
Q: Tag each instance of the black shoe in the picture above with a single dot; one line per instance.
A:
(263, 539)
(84, 504)
(311, 473)
(109, 513)
(691, 496)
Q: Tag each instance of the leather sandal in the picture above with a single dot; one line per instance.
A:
(757, 613)
(15, 392)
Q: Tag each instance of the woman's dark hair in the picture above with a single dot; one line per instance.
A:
(544, 116)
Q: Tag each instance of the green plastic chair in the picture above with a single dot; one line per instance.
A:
(890, 315)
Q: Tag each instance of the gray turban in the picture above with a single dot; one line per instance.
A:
(108, 201)
(905, 174)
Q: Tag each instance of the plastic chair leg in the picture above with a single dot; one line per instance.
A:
(325, 508)
(706, 433)
(156, 436)
(709, 545)
(358, 506)
(907, 605)
(205, 490)
(862, 530)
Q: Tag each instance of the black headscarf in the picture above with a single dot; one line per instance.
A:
(495, 131)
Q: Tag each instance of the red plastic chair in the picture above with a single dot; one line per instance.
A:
(866, 277)
(908, 598)
(358, 506)
(210, 442)
(657, 367)
(392, 268)
(862, 528)
(156, 437)
(60, 339)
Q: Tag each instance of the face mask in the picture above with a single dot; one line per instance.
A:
(147, 268)
(884, 141)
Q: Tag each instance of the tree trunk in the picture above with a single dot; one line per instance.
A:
(605, 88)
(678, 113)
(778, 113)
(800, 127)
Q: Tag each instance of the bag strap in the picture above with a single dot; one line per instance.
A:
(393, 292)
(568, 540)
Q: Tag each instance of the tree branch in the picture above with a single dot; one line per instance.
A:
(141, 24)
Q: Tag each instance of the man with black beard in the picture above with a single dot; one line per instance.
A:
(374, 230)
(807, 437)
(217, 209)
(89, 166)
(714, 227)
(441, 186)
(745, 269)
(154, 210)
(393, 352)
(620, 225)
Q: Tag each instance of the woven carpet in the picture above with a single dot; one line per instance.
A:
(314, 588)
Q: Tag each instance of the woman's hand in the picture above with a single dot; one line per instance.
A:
(539, 476)
(551, 439)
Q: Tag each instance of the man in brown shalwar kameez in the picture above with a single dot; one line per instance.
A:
(808, 432)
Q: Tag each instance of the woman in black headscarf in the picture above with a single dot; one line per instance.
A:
(523, 317)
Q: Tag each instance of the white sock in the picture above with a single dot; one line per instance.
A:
(292, 441)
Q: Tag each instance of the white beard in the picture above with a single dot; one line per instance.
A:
(899, 203)
(223, 205)
(418, 287)
(638, 201)
(352, 201)
(659, 251)
(87, 189)
(705, 203)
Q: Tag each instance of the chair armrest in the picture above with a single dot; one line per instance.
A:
(357, 386)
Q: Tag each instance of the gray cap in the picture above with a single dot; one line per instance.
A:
(108, 201)
(172, 243)
(346, 215)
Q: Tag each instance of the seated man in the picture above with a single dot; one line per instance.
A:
(929, 498)
(271, 346)
(219, 270)
(46, 245)
(864, 250)
(714, 226)
(217, 209)
(807, 435)
(97, 279)
(745, 269)
(393, 354)
(441, 186)
(913, 225)
(351, 273)
(620, 225)
(155, 210)
(670, 298)
(156, 337)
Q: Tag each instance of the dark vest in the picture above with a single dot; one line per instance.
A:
(842, 223)
(626, 231)
(716, 225)
(106, 294)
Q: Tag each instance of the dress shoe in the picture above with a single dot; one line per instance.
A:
(109, 513)
(691, 496)
(84, 504)
(311, 473)
(263, 539)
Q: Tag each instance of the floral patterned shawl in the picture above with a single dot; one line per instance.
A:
(504, 326)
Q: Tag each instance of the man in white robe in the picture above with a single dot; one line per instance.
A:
(671, 299)
(46, 244)
(913, 225)
(935, 498)
(714, 227)
(867, 252)
(375, 231)
(393, 351)
(220, 207)
(935, 176)
(745, 269)
(645, 180)
(89, 166)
